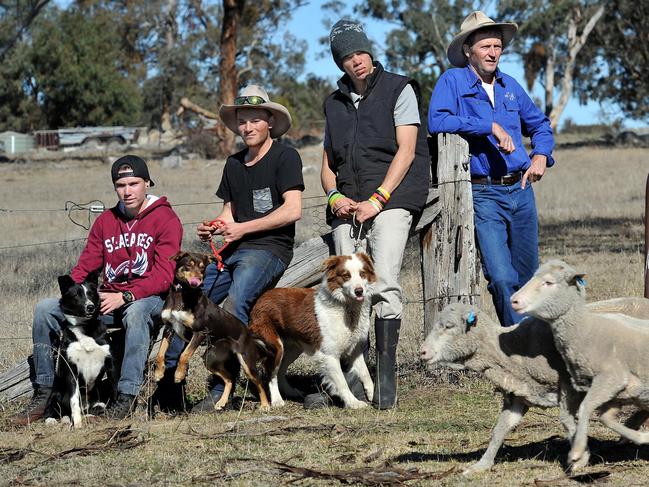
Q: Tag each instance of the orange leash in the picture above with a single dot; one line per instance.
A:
(217, 252)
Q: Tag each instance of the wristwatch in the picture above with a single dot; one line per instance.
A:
(128, 297)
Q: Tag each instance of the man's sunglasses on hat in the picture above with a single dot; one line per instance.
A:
(249, 100)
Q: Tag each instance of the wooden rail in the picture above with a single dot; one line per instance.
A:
(448, 254)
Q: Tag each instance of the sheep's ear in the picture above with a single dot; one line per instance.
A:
(578, 280)
(471, 320)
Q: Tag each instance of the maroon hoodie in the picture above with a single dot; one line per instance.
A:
(133, 254)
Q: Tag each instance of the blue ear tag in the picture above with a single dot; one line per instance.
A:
(471, 319)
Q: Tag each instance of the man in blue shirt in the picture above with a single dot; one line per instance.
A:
(493, 112)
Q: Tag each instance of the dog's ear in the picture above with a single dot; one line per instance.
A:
(93, 277)
(65, 283)
(368, 264)
(178, 255)
(329, 263)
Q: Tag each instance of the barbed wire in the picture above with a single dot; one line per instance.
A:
(38, 244)
(97, 206)
(72, 206)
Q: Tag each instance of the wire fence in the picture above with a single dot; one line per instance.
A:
(75, 212)
(312, 224)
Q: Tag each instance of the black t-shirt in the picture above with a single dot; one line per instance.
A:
(255, 191)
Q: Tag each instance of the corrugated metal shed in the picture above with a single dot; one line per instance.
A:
(15, 143)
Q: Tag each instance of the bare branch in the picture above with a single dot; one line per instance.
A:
(24, 24)
(575, 44)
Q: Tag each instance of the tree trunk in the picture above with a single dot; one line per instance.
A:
(575, 43)
(232, 10)
(170, 44)
(549, 76)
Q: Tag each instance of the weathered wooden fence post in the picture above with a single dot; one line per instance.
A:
(646, 239)
(449, 256)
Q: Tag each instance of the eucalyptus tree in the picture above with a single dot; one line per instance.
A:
(550, 41)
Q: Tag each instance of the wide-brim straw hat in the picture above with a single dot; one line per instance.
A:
(254, 96)
(475, 21)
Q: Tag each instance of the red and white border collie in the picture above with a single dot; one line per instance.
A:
(329, 323)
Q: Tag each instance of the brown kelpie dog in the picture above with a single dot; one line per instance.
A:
(195, 318)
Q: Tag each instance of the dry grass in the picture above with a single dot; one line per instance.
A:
(591, 209)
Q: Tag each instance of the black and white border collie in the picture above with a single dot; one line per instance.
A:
(329, 323)
(84, 353)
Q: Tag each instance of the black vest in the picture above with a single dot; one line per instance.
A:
(363, 141)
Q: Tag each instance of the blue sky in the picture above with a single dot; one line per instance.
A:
(307, 24)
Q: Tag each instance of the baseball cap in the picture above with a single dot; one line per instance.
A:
(138, 166)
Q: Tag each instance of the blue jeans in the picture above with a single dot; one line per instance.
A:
(138, 320)
(506, 226)
(247, 273)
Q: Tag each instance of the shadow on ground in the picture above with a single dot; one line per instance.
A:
(551, 449)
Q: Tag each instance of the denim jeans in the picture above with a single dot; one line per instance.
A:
(506, 226)
(247, 273)
(138, 320)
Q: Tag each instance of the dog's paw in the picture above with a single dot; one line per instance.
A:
(356, 404)
(51, 421)
(264, 407)
(158, 374)
(278, 403)
(179, 376)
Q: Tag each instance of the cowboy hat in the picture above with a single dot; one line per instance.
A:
(254, 96)
(476, 20)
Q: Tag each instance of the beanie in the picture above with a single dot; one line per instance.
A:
(348, 37)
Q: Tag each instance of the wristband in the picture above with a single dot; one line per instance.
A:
(333, 198)
(384, 192)
(375, 203)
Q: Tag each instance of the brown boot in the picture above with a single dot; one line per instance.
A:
(36, 408)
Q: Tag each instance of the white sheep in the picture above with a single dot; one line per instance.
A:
(605, 353)
(521, 361)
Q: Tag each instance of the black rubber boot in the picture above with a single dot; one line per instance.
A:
(385, 386)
